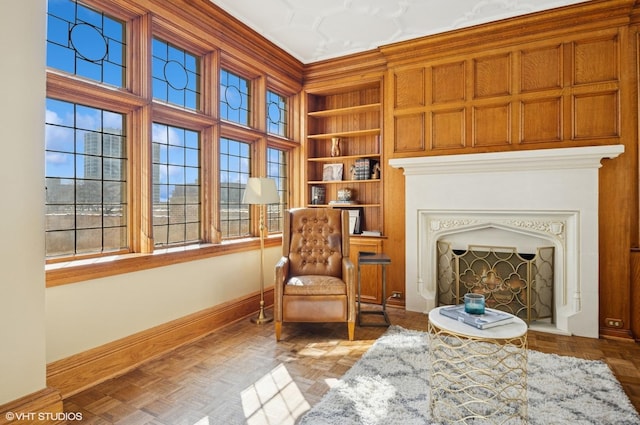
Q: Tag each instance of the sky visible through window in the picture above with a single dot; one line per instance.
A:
(235, 98)
(67, 123)
(85, 170)
(176, 77)
(276, 114)
(92, 45)
(85, 42)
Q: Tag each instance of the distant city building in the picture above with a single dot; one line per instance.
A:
(104, 153)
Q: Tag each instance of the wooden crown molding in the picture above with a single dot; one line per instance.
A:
(356, 66)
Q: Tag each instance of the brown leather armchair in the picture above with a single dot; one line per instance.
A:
(315, 279)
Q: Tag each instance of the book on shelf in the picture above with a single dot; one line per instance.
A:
(371, 233)
(318, 195)
(489, 319)
(363, 168)
(355, 219)
(337, 202)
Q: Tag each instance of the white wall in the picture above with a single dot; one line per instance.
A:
(22, 284)
(84, 315)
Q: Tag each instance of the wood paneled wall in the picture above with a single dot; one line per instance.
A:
(561, 78)
(534, 95)
(635, 293)
(560, 86)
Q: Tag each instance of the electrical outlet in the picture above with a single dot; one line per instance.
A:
(396, 294)
(614, 323)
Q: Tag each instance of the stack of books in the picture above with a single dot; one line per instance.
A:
(364, 167)
(489, 319)
(337, 202)
(371, 233)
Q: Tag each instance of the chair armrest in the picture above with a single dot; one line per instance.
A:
(281, 274)
(349, 277)
(282, 270)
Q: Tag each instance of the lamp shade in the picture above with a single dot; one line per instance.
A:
(260, 191)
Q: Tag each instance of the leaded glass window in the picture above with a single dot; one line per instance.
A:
(235, 97)
(276, 114)
(235, 169)
(277, 170)
(85, 42)
(176, 185)
(176, 75)
(101, 58)
(85, 171)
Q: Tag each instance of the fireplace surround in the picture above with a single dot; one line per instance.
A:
(517, 198)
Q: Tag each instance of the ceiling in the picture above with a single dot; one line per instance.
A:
(314, 30)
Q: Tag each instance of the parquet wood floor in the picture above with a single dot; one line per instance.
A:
(240, 375)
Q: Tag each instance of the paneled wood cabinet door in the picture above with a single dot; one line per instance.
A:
(635, 293)
(371, 276)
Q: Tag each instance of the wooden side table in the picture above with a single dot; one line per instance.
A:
(477, 373)
(374, 259)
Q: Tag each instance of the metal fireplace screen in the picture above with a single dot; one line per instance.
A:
(520, 284)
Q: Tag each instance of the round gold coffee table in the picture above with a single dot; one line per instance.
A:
(477, 373)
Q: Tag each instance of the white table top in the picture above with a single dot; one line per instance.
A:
(515, 329)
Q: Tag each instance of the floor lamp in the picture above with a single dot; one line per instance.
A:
(261, 191)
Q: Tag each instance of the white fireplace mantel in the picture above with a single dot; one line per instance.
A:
(487, 190)
(518, 161)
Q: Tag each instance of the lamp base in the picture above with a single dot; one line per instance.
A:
(262, 318)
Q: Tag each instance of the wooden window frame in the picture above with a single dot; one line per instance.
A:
(135, 101)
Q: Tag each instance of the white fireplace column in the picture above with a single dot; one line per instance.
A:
(496, 190)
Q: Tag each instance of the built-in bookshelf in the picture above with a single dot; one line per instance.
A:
(342, 148)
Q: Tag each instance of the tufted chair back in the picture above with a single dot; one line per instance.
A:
(315, 243)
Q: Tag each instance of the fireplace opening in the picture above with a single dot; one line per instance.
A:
(519, 283)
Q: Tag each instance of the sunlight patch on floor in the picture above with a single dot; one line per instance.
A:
(273, 399)
(331, 382)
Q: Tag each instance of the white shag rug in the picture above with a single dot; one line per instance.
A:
(390, 385)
